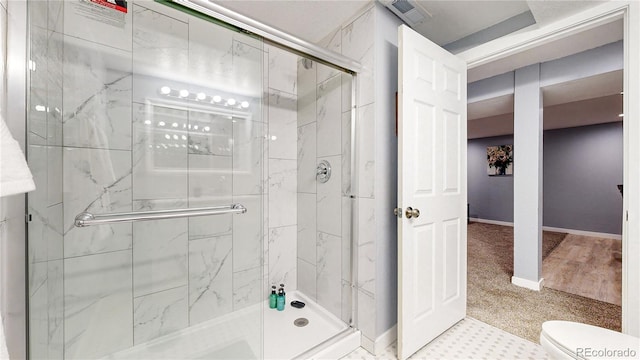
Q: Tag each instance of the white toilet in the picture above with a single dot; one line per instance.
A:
(571, 340)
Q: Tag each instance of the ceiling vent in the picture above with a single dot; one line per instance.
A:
(408, 10)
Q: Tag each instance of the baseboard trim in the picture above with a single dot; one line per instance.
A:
(584, 233)
(387, 338)
(492, 222)
(368, 344)
(556, 229)
(533, 285)
(381, 343)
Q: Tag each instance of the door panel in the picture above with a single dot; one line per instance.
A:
(432, 180)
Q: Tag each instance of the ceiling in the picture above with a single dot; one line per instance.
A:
(587, 101)
(314, 20)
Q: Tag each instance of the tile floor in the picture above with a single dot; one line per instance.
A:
(469, 339)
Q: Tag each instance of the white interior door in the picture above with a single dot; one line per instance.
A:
(432, 180)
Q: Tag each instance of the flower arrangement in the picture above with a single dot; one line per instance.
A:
(500, 160)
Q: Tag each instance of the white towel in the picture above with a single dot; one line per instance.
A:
(15, 177)
(4, 353)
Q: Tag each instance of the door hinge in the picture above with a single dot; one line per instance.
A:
(27, 218)
(627, 215)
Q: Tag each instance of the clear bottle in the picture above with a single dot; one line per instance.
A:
(280, 301)
(273, 298)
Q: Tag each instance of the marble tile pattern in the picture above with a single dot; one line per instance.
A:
(161, 276)
(348, 206)
(282, 192)
(160, 43)
(97, 95)
(282, 256)
(98, 181)
(329, 117)
(247, 288)
(366, 270)
(38, 314)
(328, 273)
(282, 70)
(248, 159)
(324, 233)
(365, 153)
(307, 157)
(159, 166)
(307, 278)
(210, 54)
(54, 175)
(346, 153)
(210, 180)
(247, 234)
(210, 134)
(329, 200)
(334, 44)
(55, 89)
(307, 97)
(98, 316)
(124, 284)
(282, 125)
(55, 306)
(38, 84)
(307, 227)
(210, 278)
(159, 313)
(358, 43)
(159, 250)
(38, 204)
(366, 309)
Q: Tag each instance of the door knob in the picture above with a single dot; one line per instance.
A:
(411, 212)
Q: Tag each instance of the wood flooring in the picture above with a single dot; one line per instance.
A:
(586, 266)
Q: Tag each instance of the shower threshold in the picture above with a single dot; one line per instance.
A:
(237, 335)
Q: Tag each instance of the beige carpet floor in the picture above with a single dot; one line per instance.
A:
(494, 300)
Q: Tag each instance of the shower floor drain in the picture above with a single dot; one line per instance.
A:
(300, 322)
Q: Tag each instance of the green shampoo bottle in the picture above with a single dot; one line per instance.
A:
(281, 298)
(273, 298)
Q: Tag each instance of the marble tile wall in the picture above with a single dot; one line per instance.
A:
(282, 232)
(324, 209)
(122, 145)
(357, 41)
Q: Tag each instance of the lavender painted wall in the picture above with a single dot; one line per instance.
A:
(490, 197)
(582, 167)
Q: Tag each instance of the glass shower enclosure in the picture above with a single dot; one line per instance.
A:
(228, 156)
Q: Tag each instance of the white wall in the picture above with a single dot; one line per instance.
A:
(386, 189)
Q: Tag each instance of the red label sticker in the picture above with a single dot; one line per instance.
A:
(120, 5)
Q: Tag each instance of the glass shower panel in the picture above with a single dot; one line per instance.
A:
(137, 109)
(324, 204)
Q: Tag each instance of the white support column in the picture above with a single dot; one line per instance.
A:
(527, 182)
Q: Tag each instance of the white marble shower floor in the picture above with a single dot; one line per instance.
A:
(239, 335)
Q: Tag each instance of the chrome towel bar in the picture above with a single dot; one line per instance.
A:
(87, 219)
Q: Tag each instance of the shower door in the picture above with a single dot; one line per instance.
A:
(137, 106)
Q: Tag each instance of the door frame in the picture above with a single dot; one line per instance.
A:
(629, 11)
